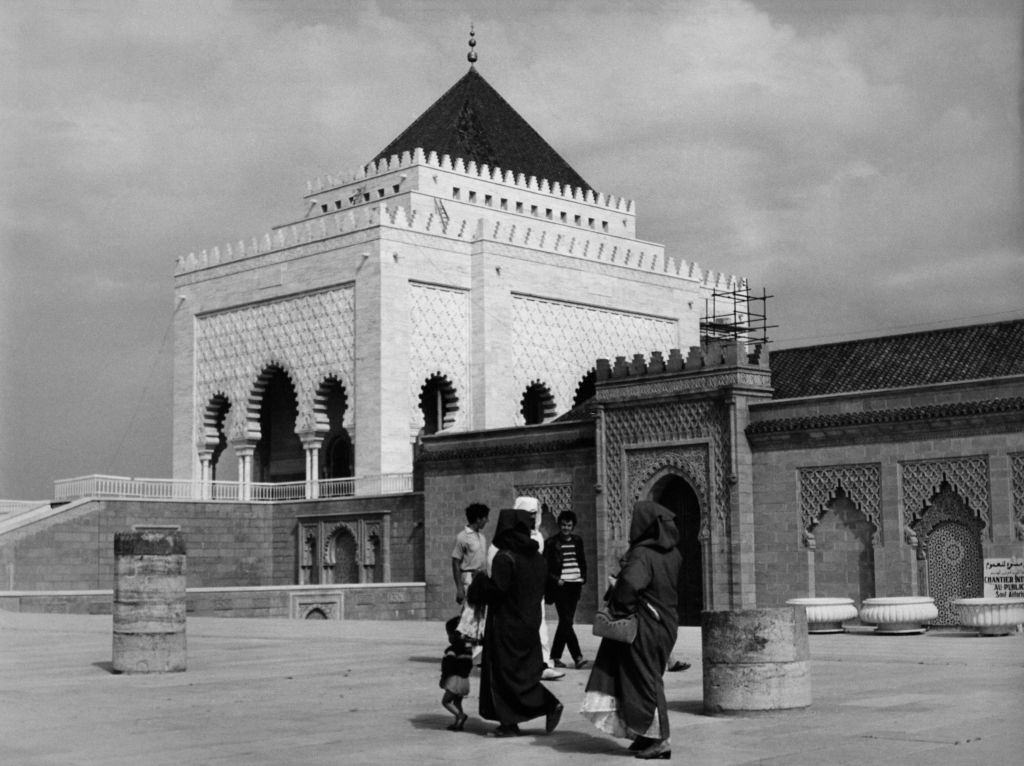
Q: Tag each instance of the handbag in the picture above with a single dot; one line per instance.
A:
(614, 628)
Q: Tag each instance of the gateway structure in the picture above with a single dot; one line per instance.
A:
(466, 278)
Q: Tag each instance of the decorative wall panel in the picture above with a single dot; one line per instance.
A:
(643, 464)
(310, 336)
(641, 426)
(968, 476)
(818, 488)
(1017, 489)
(439, 343)
(555, 497)
(557, 343)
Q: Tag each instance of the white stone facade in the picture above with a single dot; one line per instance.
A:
(414, 268)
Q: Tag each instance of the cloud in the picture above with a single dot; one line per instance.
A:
(861, 160)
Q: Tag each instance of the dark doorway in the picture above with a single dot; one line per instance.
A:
(678, 496)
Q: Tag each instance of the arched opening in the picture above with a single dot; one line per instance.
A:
(337, 457)
(949, 537)
(279, 456)
(844, 558)
(586, 389)
(213, 429)
(342, 560)
(676, 494)
(316, 613)
(537, 405)
(438, 403)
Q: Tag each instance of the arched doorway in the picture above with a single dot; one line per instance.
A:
(949, 537)
(676, 494)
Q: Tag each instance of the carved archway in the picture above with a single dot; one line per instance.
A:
(341, 554)
(948, 537)
(439, 404)
(672, 490)
(537, 404)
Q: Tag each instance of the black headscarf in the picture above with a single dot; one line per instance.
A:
(513, 531)
(653, 525)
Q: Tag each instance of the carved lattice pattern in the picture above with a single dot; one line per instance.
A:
(311, 337)
(670, 422)
(1017, 483)
(642, 465)
(557, 343)
(555, 497)
(921, 480)
(439, 343)
(860, 483)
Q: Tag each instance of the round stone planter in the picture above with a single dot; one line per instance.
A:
(826, 615)
(991, 616)
(898, 614)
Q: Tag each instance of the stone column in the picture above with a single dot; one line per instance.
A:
(244, 450)
(755, 660)
(149, 600)
(311, 443)
(205, 474)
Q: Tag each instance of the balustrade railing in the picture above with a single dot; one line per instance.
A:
(11, 507)
(125, 487)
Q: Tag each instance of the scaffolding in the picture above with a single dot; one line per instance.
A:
(736, 317)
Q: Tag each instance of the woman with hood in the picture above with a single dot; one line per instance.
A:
(625, 695)
(510, 670)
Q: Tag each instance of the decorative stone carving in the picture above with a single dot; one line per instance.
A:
(310, 336)
(668, 422)
(921, 480)
(643, 464)
(821, 486)
(1017, 481)
(439, 343)
(557, 343)
(555, 498)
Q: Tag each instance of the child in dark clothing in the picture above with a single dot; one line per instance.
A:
(456, 665)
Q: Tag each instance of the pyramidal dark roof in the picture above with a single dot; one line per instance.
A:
(973, 352)
(472, 121)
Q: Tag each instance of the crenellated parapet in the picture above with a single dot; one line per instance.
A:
(714, 355)
(594, 246)
(484, 172)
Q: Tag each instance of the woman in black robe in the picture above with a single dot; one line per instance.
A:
(510, 670)
(625, 694)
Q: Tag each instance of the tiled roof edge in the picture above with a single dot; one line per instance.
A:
(895, 415)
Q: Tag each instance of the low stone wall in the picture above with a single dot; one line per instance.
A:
(382, 601)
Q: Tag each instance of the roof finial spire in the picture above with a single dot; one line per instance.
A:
(471, 56)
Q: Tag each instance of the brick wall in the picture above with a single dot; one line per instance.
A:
(501, 463)
(229, 544)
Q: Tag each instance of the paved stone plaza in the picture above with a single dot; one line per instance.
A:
(354, 692)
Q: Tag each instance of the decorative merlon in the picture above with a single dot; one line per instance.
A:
(714, 354)
(484, 172)
(606, 248)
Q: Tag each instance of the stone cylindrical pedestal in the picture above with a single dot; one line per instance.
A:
(149, 600)
(755, 660)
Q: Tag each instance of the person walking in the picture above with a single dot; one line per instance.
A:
(510, 687)
(531, 504)
(567, 572)
(625, 694)
(456, 665)
(469, 557)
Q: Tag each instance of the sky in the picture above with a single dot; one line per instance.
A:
(861, 161)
